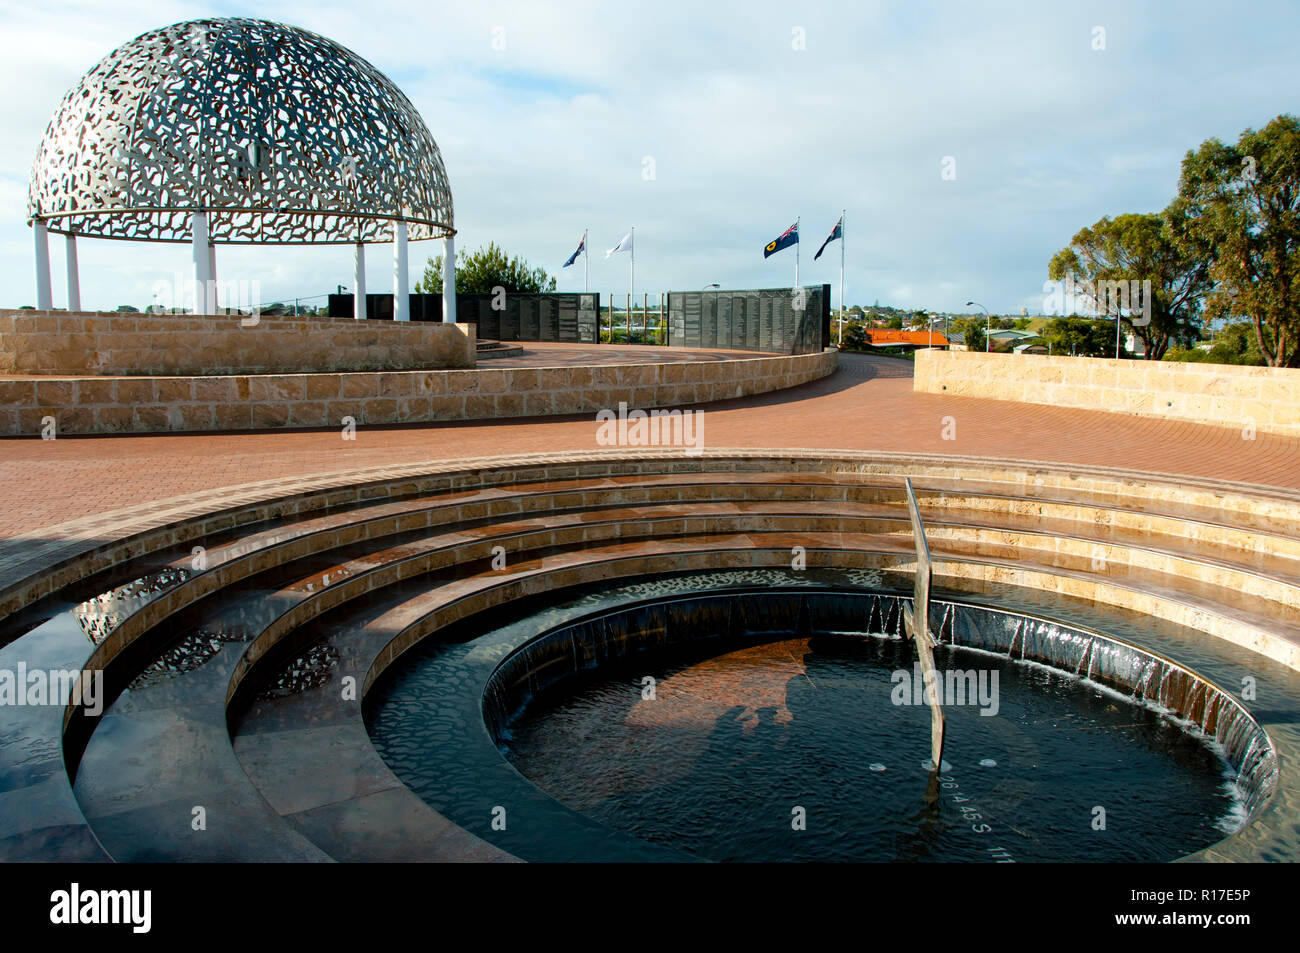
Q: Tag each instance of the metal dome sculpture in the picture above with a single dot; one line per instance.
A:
(280, 136)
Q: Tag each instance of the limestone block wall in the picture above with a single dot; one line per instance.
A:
(87, 405)
(1265, 399)
(112, 343)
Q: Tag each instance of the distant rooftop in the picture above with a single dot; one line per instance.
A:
(887, 337)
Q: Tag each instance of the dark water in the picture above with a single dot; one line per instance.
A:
(732, 751)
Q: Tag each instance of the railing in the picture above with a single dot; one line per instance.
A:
(916, 618)
(630, 325)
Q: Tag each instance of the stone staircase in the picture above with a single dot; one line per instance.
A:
(238, 632)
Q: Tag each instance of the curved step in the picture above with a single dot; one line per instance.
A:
(363, 647)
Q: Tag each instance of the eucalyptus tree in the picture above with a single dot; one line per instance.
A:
(1242, 203)
(1139, 269)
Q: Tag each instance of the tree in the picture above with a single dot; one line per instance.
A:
(972, 331)
(895, 323)
(1114, 254)
(486, 270)
(855, 337)
(1233, 344)
(1080, 336)
(1242, 203)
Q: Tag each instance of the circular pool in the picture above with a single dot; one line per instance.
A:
(815, 749)
(760, 723)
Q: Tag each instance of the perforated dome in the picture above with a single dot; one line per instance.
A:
(282, 136)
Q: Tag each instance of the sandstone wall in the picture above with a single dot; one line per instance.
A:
(235, 402)
(1264, 399)
(111, 343)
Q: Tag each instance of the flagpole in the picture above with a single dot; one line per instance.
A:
(843, 229)
(584, 261)
(796, 252)
(631, 277)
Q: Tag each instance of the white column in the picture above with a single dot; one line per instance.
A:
(401, 287)
(44, 296)
(74, 283)
(212, 277)
(359, 283)
(199, 254)
(449, 279)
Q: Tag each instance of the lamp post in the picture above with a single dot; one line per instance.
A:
(989, 327)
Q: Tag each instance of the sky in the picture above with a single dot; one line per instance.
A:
(967, 141)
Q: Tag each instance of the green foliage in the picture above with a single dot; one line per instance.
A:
(1233, 344)
(855, 337)
(1142, 248)
(973, 331)
(484, 271)
(895, 323)
(1242, 205)
(1081, 337)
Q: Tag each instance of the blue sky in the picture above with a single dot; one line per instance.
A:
(551, 134)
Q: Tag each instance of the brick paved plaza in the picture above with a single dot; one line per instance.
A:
(867, 405)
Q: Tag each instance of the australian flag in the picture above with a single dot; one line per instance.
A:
(789, 237)
(581, 247)
(836, 232)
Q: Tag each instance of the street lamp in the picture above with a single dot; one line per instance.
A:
(989, 329)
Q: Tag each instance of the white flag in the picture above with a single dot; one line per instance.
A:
(625, 244)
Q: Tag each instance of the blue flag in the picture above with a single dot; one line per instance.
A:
(582, 245)
(836, 232)
(789, 237)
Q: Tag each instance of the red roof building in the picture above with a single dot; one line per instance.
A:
(887, 337)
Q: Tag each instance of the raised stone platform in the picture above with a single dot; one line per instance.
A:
(59, 343)
(103, 405)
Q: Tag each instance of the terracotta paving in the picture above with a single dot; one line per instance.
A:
(867, 405)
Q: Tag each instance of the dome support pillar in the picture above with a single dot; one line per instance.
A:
(359, 283)
(449, 279)
(199, 254)
(44, 296)
(401, 286)
(74, 281)
(212, 277)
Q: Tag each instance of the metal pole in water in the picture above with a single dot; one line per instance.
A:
(916, 618)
